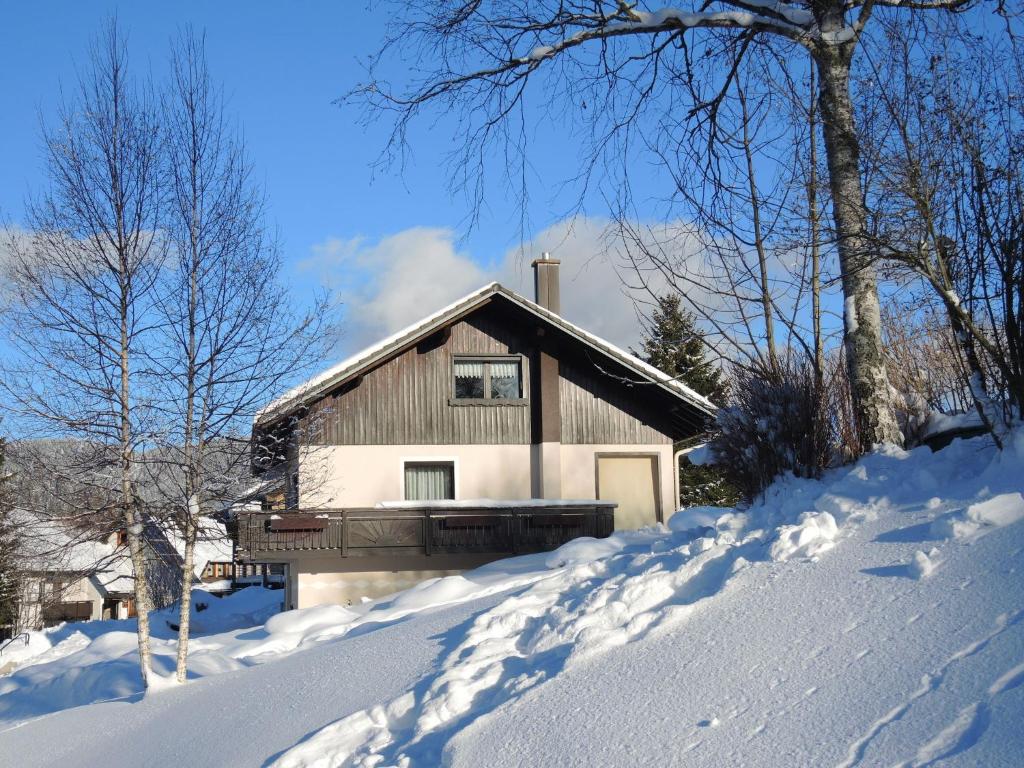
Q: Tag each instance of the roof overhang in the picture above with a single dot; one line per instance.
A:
(363, 361)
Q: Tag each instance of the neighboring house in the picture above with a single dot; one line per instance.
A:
(491, 427)
(213, 566)
(68, 576)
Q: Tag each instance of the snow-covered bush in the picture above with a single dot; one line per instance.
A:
(777, 421)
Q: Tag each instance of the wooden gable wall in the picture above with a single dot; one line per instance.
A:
(598, 406)
(405, 401)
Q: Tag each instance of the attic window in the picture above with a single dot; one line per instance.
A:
(498, 379)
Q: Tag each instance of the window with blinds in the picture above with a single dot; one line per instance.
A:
(496, 379)
(429, 481)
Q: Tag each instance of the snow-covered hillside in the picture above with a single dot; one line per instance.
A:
(871, 618)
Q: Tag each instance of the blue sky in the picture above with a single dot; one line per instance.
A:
(393, 245)
(282, 66)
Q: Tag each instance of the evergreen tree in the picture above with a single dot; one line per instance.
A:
(672, 343)
(706, 486)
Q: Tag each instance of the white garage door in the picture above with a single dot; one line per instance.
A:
(632, 482)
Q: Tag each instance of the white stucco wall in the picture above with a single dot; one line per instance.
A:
(362, 475)
(579, 476)
(77, 590)
(319, 579)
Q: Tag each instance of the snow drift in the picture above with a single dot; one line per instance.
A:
(870, 618)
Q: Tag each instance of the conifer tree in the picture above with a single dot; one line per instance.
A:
(703, 485)
(672, 343)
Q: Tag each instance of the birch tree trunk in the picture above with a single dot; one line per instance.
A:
(231, 336)
(812, 215)
(193, 456)
(876, 420)
(134, 523)
(191, 530)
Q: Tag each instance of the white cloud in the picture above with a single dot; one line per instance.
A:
(594, 291)
(10, 238)
(394, 282)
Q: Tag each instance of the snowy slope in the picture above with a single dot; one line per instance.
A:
(872, 618)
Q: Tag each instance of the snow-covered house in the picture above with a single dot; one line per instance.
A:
(70, 575)
(213, 558)
(490, 427)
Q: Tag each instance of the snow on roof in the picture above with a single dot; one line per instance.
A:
(272, 480)
(365, 355)
(212, 545)
(110, 583)
(214, 550)
(49, 545)
(373, 353)
(939, 423)
(699, 455)
(691, 395)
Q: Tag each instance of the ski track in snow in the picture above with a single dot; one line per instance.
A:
(523, 641)
(969, 725)
(550, 620)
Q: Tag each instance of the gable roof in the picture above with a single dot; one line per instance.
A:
(412, 334)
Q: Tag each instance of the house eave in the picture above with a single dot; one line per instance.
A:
(412, 335)
(366, 359)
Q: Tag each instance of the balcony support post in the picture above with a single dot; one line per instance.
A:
(344, 533)
(428, 532)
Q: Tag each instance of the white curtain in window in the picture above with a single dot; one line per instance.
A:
(469, 370)
(505, 380)
(509, 370)
(424, 482)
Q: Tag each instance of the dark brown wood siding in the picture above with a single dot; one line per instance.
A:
(405, 401)
(598, 408)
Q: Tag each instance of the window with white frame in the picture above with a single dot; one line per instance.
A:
(494, 379)
(429, 480)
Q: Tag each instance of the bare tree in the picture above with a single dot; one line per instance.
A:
(231, 333)
(778, 421)
(82, 284)
(612, 62)
(10, 556)
(737, 265)
(948, 166)
(925, 362)
(767, 306)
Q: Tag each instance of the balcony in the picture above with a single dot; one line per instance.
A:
(424, 528)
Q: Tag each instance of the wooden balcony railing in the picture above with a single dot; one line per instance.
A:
(434, 529)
